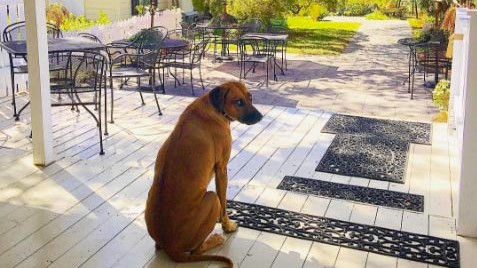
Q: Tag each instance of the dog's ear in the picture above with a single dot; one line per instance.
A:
(217, 97)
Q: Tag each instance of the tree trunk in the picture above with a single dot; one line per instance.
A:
(415, 9)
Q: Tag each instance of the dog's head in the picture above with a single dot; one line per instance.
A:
(233, 100)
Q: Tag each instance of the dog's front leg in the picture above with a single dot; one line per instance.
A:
(221, 180)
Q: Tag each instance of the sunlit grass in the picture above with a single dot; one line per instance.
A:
(308, 36)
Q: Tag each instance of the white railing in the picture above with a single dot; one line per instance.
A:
(11, 11)
(107, 33)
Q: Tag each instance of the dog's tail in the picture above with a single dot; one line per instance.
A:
(184, 257)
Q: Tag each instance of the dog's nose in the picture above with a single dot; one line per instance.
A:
(252, 117)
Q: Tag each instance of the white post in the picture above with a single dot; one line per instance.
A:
(467, 213)
(455, 102)
(39, 82)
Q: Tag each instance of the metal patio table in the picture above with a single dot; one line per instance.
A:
(55, 45)
(281, 38)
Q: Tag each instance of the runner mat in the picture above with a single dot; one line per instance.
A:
(366, 156)
(414, 132)
(353, 193)
(415, 247)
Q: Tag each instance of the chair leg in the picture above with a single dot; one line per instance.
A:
(140, 93)
(163, 80)
(142, 99)
(412, 84)
(268, 63)
(101, 150)
(201, 80)
(112, 99)
(191, 83)
(105, 108)
(155, 93)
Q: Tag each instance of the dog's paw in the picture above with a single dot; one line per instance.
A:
(229, 226)
(217, 239)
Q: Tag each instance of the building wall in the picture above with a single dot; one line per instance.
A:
(115, 9)
(186, 5)
(74, 6)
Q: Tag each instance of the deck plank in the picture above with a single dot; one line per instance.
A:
(99, 221)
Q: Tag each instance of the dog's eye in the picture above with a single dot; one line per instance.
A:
(239, 103)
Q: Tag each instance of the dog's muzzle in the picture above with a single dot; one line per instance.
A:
(251, 117)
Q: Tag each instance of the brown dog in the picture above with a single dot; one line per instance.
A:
(180, 213)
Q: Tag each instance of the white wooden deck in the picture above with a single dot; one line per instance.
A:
(86, 210)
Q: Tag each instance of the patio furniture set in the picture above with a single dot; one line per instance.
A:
(81, 68)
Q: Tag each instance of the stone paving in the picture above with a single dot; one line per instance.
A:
(367, 79)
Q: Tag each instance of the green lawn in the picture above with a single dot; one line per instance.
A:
(319, 37)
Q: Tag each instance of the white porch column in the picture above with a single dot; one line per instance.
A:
(455, 102)
(467, 210)
(39, 82)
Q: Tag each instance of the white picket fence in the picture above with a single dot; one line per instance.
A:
(11, 11)
(170, 19)
(107, 33)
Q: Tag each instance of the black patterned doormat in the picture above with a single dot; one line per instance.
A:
(366, 156)
(415, 247)
(353, 193)
(392, 129)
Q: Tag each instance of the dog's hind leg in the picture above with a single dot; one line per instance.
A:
(206, 216)
(213, 241)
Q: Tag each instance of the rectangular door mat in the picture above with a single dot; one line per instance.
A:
(398, 130)
(366, 156)
(415, 247)
(353, 193)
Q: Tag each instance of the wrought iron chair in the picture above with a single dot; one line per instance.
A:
(282, 48)
(140, 62)
(18, 64)
(190, 59)
(429, 58)
(255, 50)
(251, 25)
(17, 31)
(83, 81)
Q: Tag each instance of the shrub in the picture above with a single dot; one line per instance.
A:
(317, 11)
(377, 15)
(56, 13)
(265, 9)
(73, 23)
(440, 94)
(358, 7)
(199, 5)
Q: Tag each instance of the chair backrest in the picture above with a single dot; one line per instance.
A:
(257, 46)
(184, 34)
(91, 37)
(252, 25)
(17, 31)
(86, 70)
(198, 51)
(150, 39)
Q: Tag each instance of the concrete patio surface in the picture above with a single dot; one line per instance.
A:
(367, 79)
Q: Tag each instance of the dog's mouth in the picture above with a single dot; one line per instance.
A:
(250, 118)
